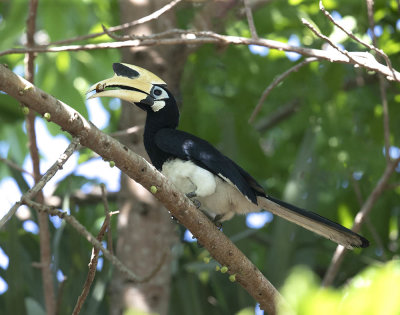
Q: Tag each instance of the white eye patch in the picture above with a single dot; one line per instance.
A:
(159, 93)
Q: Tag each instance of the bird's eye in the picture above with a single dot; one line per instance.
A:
(157, 92)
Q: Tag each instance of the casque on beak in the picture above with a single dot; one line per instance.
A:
(130, 83)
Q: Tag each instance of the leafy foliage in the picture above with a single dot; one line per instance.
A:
(373, 291)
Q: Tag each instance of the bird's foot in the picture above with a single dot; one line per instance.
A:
(191, 196)
(217, 221)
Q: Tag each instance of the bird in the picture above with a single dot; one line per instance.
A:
(215, 183)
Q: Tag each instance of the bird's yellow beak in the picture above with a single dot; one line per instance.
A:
(130, 83)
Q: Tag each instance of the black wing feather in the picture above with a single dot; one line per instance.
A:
(186, 146)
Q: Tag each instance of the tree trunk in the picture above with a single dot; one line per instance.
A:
(145, 229)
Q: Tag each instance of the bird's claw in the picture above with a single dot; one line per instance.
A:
(217, 221)
(191, 196)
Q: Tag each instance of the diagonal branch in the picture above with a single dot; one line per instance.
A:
(156, 14)
(43, 181)
(92, 265)
(357, 39)
(85, 233)
(338, 256)
(219, 246)
(327, 39)
(274, 83)
(15, 166)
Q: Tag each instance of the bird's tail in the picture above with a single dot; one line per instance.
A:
(313, 222)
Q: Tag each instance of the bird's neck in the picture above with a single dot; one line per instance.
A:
(168, 117)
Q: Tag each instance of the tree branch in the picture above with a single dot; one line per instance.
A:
(86, 234)
(92, 265)
(44, 233)
(283, 112)
(107, 215)
(274, 83)
(359, 219)
(155, 15)
(219, 246)
(357, 39)
(43, 181)
(15, 166)
(250, 19)
(363, 59)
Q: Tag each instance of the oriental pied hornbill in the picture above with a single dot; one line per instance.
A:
(214, 182)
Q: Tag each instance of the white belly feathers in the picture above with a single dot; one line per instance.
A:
(217, 197)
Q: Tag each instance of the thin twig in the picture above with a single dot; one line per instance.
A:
(283, 112)
(382, 88)
(90, 238)
(15, 166)
(385, 112)
(125, 26)
(170, 32)
(327, 39)
(250, 19)
(60, 293)
(107, 218)
(338, 256)
(371, 228)
(274, 83)
(357, 39)
(43, 181)
(92, 267)
(392, 186)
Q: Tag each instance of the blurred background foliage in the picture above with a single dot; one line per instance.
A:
(317, 158)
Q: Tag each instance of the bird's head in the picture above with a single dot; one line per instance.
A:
(134, 84)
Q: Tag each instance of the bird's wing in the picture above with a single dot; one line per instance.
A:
(185, 146)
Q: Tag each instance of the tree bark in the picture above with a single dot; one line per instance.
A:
(145, 230)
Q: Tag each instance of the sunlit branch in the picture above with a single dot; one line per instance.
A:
(363, 59)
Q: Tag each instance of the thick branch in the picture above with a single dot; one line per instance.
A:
(219, 246)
